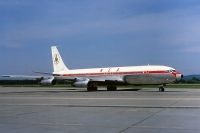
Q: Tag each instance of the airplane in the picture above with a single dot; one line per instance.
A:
(111, 76)
(20, 79)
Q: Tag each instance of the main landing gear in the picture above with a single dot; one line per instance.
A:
(94, 88)
(91, 87)
(111, 88)
(161, 88)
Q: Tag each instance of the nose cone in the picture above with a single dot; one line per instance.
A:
(179, 76)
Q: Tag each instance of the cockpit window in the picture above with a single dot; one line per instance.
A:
(171, 70)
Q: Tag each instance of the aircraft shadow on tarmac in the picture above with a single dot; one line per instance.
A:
(83, 90)
(129, 89)
(162, 92)
(133, 89)
(60, 91)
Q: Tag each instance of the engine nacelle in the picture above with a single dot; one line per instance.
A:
(48, 81)
(81, 83)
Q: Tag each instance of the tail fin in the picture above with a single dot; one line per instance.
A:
(58, 64)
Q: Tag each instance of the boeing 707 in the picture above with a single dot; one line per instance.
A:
(111, 76)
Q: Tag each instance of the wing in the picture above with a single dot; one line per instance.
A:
(83, 81)
(20, 77)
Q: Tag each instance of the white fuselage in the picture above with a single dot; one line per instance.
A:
(131, 75)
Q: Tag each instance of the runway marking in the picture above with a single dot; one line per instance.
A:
(161, 127)
(141, 121)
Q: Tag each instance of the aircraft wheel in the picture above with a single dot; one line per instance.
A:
(92, 87)
(111, 88)
(161, 89)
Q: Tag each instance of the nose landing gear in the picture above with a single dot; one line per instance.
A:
(161, 89)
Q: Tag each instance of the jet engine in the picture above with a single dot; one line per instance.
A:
(48, 81)
(81, 82)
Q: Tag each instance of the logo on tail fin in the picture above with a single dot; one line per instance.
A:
(56, 59)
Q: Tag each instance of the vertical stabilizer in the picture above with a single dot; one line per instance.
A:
(58, 64)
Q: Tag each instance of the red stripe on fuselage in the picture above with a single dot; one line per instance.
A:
(116, 73)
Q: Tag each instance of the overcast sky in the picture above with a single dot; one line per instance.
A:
(99, 33)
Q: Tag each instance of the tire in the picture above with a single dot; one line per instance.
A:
(111, 88)
(161, 89)
(92, 87)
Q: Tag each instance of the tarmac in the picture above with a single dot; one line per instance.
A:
(74, 110)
